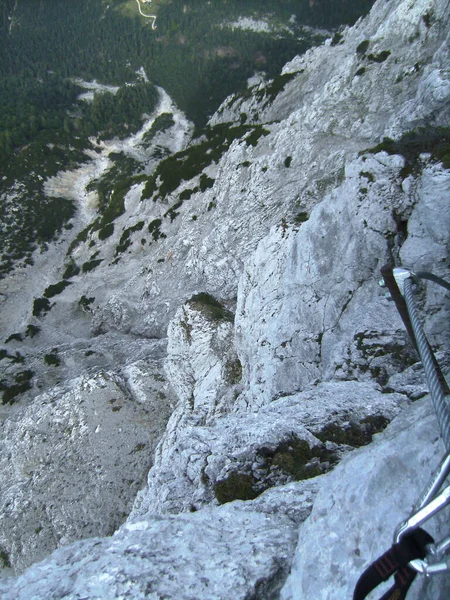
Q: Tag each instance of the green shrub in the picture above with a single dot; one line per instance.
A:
(434, 140)
(363, 47)
(288, 161)
(187, 164)
(41, 306)
(84, 303)
(12, 391)
(205, 182)
(211, 307)
(18, 337)
(106, 231)
(57, 288)
(71, 270)
(301, 217)
(52, 359)
(32, 330)
(278, 84)
(154, 229)
(186, 194)
(90, 265)
(337, 39)
(379, 58)
(237, 486)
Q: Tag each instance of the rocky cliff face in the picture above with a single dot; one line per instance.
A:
(282, 360)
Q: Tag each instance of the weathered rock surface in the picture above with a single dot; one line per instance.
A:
(360, 504)
(290, 237)
(72, 462)
(309, 304)
(204, 555)
(239, 456)
(244, 549)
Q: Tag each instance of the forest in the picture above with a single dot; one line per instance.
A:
(193, 54)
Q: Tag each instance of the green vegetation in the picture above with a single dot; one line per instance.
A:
(22, 383)
(32, 331)
(368, 176)
(433, 140)
(380, 57)
(106, 231)
(44, 126)
(41, 306)
(337, 39)
(185, 165)
(354, 434)
(71, 270)
(52, 359)
(233, 371)
(57, 288)
(288, 161)
(278, 84)
(301, 217)
(162, 123)
(125, 240)
(154, 229)
(18, 337)
(5, 561)
(428, 18)
(363, 47)
(205, 182)
(293, 458)
(237, 486)
(90, 265)
(84, 303)
(211, 307)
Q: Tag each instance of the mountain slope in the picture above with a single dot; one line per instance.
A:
(264, 240)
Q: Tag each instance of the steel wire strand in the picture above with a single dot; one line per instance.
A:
(441, 402)
(434, 278)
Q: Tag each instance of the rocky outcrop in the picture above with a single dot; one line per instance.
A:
(73, 461)
(245, 549)
(359, 506)
(285, 356)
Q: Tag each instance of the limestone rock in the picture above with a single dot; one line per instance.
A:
(210, 554)
(239, 456)
(359, 506)
(71, 464)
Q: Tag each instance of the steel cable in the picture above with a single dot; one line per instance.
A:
(441, 401)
